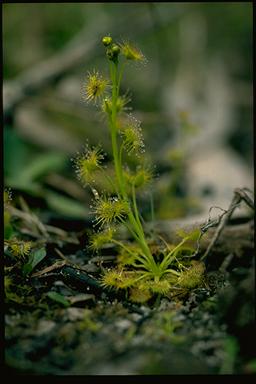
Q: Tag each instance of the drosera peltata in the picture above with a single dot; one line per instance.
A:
(138, 271)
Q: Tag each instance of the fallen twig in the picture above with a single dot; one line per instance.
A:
(239, 195)
(77, 51)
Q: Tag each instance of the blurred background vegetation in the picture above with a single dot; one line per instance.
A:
(194, 98)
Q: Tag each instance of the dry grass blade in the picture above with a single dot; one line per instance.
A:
(57, 265)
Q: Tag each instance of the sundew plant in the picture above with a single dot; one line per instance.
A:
(140, 270)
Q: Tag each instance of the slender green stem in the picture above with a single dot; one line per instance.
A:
(120, 76)
(113, 129)
(176, 273)
(130, 229)
(121, 152)
(142, 276)
(135, 227)
(141, 240)
(122, 246)
(143, 259)
(167, 260)
(135, 207)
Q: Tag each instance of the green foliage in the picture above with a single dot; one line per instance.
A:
(8, 229)
(58, 298)
(19, 249)
(23, 173)
(65, 206)
(26, 172)
(231, 349)
(164, 326)
(89, 322)
(10, 294)
(250, 367)
(193, 276)
(35, 257)
(139, 271)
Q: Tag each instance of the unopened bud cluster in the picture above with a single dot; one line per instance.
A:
(128, 50)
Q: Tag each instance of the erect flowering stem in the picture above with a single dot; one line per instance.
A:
(113, 128)
(135, 207)
(120, 76)
(136, 226)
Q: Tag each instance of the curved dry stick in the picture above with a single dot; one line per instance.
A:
(34, 79)
(239, 195)
(76, 52)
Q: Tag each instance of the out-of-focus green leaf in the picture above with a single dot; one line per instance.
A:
(58, 298)
(41, 165)
(26, 177)
(38, 167)
(231, 348)
(32, 188)
(8, 231)
(251, 366)
(65, 206)
(15, 153)
(23, 168)
(34, 258)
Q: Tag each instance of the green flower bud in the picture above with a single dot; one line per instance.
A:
(113, 52)
(115, 49)
(107, 40)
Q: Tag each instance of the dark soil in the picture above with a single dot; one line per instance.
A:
(208, 330)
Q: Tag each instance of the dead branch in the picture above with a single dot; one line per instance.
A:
(83, 46)
(34, 79)
(239, 195)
